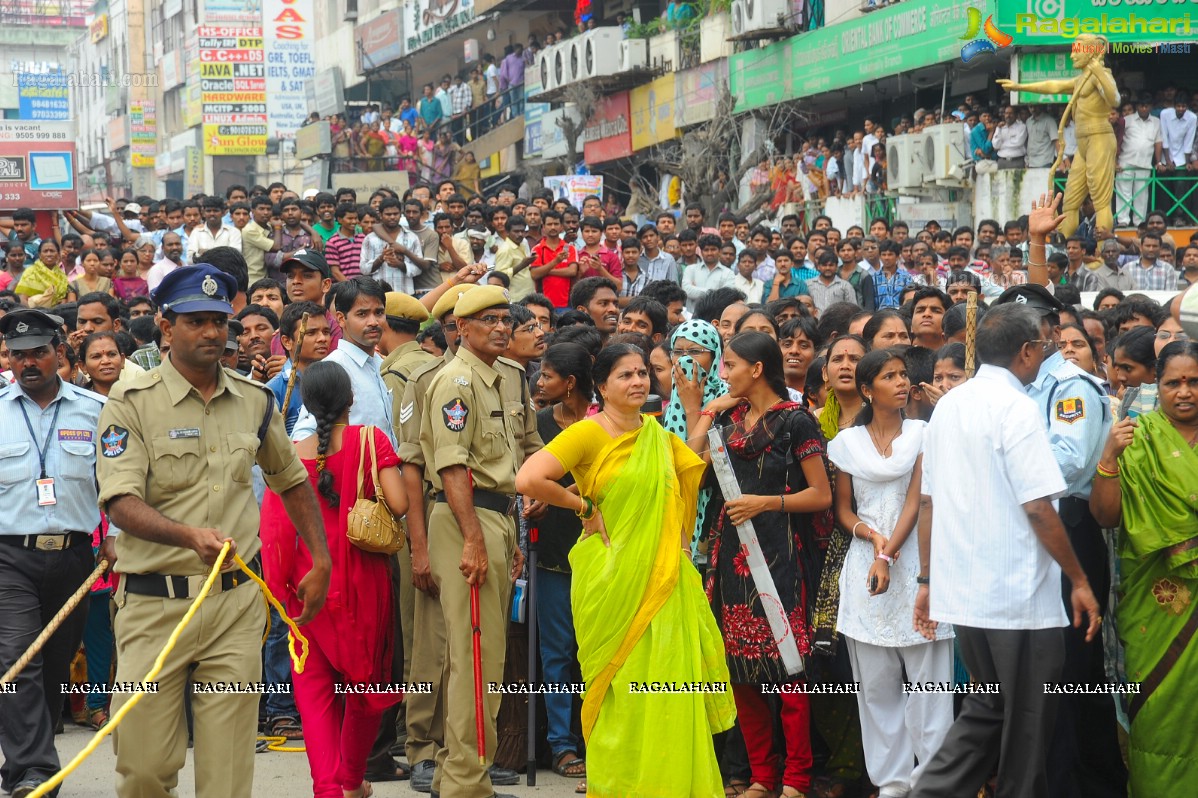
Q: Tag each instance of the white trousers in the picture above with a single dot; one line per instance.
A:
(1132, 192)
(898, 728)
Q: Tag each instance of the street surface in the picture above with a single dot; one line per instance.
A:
(275, 774)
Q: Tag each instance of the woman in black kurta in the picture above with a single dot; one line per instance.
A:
(778, 456)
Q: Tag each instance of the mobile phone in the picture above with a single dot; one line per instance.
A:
(873, 584)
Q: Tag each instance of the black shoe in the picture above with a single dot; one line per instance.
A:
(422, 775)
(26, 788)
(399, 773)
(502, 777)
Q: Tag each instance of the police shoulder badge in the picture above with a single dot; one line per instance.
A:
(209, 286)
(114, 441)
(1070, 410)
(455, 413)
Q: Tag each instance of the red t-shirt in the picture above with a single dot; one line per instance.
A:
(610, 261)
(557, 289)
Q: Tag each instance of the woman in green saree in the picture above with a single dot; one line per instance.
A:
(1145, 486)
(643, 623)
(43, 284)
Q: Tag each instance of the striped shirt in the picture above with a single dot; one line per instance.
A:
(343, 253)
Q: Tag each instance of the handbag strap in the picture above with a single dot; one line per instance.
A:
(362, 433)
(374, 464)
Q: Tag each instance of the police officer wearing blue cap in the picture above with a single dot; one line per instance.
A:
(202, 427)
(48, 492)
(1084, 752)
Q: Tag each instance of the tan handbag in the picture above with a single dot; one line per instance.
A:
(370, 525)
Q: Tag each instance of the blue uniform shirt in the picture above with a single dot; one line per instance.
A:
(70, 462)
(1077, 413)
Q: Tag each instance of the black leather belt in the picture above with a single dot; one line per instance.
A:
(185, 587)
(57, 542)
(488, 500)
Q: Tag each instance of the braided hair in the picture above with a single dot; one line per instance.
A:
(327, 392)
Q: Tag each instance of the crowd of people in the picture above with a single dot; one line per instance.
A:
(505, 372)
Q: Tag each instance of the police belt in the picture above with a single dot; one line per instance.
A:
(57, 542)
(488, 500)
(185, 587)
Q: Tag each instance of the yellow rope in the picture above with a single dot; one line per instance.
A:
(280, 744)
(297, 660)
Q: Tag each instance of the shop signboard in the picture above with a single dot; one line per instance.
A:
(289, 29)
(606, 136)
(652, 110)
(37, 165)
(1130, 27)
(233, 90)
(428, 21)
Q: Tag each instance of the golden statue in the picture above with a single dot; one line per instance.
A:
(1094, 97)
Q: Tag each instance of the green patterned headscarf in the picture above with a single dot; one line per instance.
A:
(706, 336)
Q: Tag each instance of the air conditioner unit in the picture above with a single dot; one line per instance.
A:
(634, 54)
(901, 169)
(545, 68)
(574, 56)
(944, 150)
(561, 64)
(600, 52)
(759, 15)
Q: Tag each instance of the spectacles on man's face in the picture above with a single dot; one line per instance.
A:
(491, 320)
(693, 352)
(532, 326)
(1046, 344)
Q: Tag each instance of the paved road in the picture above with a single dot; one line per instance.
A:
(274, 774)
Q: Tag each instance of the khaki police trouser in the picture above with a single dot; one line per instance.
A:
(458, 768)
(424, 713)
(224, 641)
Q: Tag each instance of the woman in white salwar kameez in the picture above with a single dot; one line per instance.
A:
(877, 497)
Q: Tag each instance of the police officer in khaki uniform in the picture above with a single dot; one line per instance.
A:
(475, 440)
(425, 712)
(202, 427)
(401, 355)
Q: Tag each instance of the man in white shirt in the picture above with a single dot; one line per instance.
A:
(867, 145)
(172, 258)
(1142, 147)
(212, 233)
(700, 278)
(399, 258)
(359, 305)
(1010, 140)
(992, 549)
(1178, 126)
(1041, 138)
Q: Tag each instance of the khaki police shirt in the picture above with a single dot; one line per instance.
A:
(518, 409)
(471, 418)
(397, 369)
(412, 411)
(190, 461)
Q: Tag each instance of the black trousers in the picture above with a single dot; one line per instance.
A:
(1008, 731)
(1084, 760)
(33, 587)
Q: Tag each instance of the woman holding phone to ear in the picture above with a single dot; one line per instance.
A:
(878, 462)
(696, 352)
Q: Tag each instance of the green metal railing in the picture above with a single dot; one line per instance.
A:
(877, 206)
(1175, 195)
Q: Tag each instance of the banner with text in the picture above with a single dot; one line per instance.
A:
(1154, 28)
(233, 90)
(290, 62)
(431, 20)
(37, 165)
(143, 133)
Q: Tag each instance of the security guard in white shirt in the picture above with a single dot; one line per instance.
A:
(1084, 758)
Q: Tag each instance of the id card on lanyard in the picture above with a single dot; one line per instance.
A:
(45, 484)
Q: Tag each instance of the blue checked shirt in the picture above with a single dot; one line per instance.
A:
(1158, 277)
(70, 461)
(887, 290)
